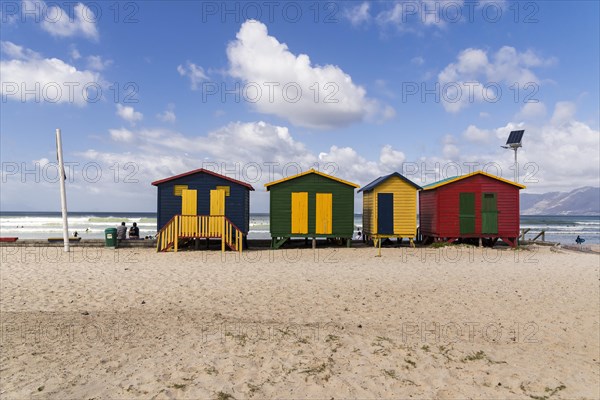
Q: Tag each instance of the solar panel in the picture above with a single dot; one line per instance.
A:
(515, 137)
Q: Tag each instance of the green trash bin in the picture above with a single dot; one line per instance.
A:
(110, 237)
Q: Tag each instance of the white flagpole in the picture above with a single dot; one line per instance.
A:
(63, 191)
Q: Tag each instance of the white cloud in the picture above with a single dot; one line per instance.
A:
(121, 135)
(407, 16)
(52, 80)
(474, 134)
(194, 73)
(566, 151)
(359, 14)
(96, 63)
(418, 60)
(168, 115)
(450, 150)
(256, 141)
(475, 78)
(531, 111)
(383, 87)
(415, 16)
(75, 55)
(255, 152)
(42, 161)
(559, 154)
(236, 141)
(18, 52)
(349, 165)
(78, 20)
(550, 148)
(129, 114)
(390, 158)
(564, 111)
(281, 83)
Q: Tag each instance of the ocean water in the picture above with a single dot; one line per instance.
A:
(91, 225)
(88, 225)
(563, 229)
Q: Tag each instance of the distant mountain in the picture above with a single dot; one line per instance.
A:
(582, 201)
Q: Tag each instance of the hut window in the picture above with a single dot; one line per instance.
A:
(177, 189)
(224, 188)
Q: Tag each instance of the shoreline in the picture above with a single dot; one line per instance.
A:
(562, 229)
(261, 244)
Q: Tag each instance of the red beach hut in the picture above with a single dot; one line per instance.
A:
(476, 205)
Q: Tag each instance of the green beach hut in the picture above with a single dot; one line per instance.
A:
(311, 204)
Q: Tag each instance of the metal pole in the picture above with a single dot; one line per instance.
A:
(516, 166)
(63, 191)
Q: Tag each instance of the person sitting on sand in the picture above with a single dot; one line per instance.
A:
(134, 231)
(122, 231)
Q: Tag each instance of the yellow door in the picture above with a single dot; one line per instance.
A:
(189, 206)
(217, 202)
(300, 212)
(189, 202)
(323, 215)
(217, 207)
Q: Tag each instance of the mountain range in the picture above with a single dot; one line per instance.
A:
(581, 201)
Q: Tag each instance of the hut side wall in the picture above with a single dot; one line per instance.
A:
(368, 212)
(237, 204)
(342, 204)
(428, 218)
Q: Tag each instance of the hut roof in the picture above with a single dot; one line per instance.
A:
(202, 171)
(311, 171)
(382, 179)
(446, 181)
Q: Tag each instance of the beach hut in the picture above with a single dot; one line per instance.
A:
(311, 204)
(476, 205)
(390, 208)
(202, 204)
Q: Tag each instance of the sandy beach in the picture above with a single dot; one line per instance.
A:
(451, 323)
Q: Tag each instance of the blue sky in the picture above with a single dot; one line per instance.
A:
(386, 75)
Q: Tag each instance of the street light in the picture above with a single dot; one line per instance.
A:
(514, 142)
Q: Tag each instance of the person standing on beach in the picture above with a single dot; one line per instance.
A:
(122, 231)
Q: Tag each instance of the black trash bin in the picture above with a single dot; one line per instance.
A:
(110, 237)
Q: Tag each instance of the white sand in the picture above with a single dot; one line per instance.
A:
(337, 323)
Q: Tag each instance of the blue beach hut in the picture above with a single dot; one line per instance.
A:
(202, 204)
